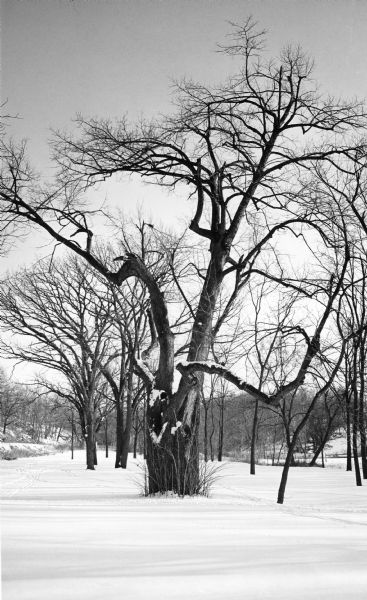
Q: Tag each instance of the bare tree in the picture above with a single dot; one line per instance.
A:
(59, 325)
(13, 402)
(324, 422)
(240, 148)
(354, 318)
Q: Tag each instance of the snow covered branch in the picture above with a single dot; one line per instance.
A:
(216, 369)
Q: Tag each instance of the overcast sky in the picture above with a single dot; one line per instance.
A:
(103, 57)
(110, 57)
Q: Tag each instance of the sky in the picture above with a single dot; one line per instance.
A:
(111, 57)
(108, 58)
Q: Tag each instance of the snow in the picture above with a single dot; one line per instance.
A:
(156, 395)
(204, 363)
(73, 534)
(145, 369)
(157, 438)
(12, 450)
(174, 429)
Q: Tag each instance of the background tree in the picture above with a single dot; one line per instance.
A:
(324, 422)
(54, 309)
(13, 402)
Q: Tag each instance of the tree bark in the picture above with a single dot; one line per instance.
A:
(205, 431)
(349, 436)
(357, 470)
(136, 434)
(284, 478)
(355, 416)
(119, 433)
(253, 439)
(125, 444)
(106, 436)
(173, 462)
(88, 425)
(221, 430)
(72, 436)
(362, 417)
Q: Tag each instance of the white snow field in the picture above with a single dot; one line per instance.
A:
(72, 534)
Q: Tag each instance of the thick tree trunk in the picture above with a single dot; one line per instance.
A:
(173, 460)
(125, 445)
(90, 452)
(173, 420)
(90, 440)
(128, 422)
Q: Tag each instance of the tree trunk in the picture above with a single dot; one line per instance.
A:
(72, 436)
(362, 433)
(173, 421)
(355, 417)
(289, 445)
(253, 439)
(90, 441)
(211, 445)
(355, 443)
(173, 460)
(362, 422)
(205, 406)
(145, 431)
(349, 437)
(136, 433)
(287, 465)
(128, 421)
(221, 430)
(119, 433)
(106, 436)
(320, 449)
(291, 448)
(90, 452)
(125, 444)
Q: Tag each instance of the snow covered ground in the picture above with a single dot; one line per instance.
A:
(72, 534)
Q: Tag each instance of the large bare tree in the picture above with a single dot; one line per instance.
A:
(243, 151)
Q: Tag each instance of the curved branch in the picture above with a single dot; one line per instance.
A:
(134, 267)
